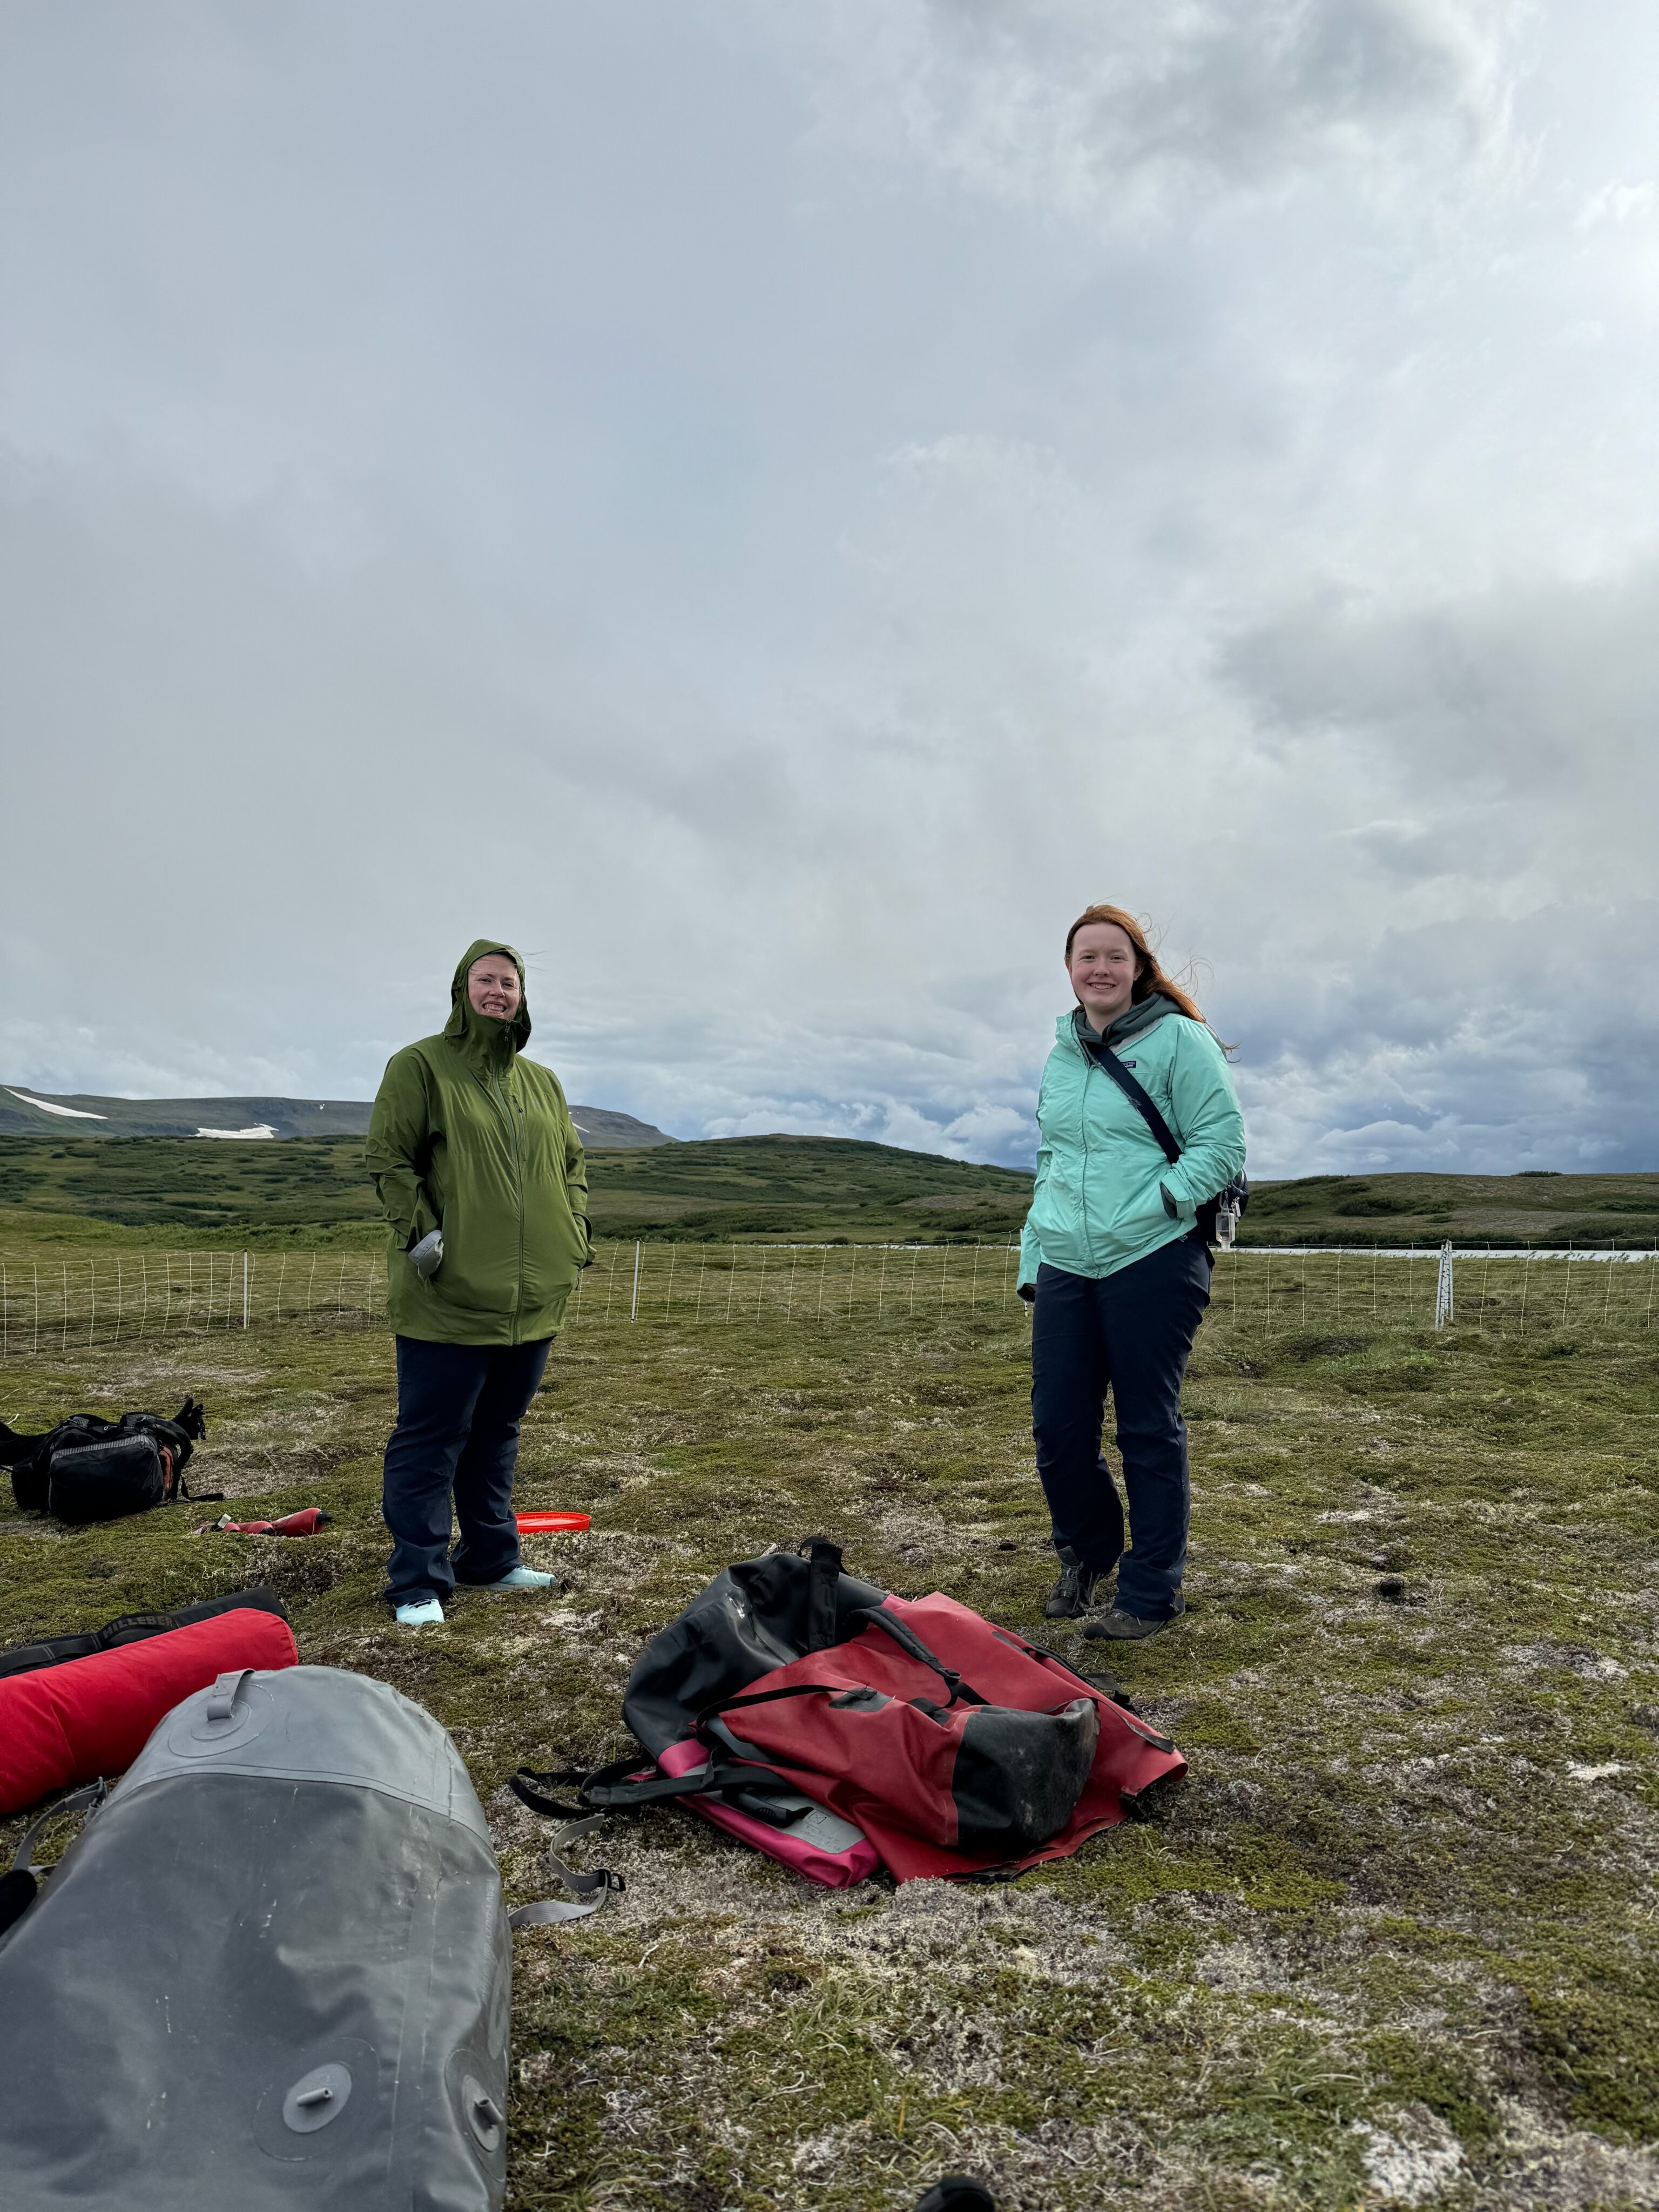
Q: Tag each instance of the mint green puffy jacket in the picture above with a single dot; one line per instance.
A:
(1100, 1176)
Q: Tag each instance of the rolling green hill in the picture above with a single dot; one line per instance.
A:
(313, 1190)
(1531, 1208)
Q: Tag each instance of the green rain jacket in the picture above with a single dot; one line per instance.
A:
(1099, 1203)
(468, 1137)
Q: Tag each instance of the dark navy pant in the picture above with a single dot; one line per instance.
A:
(458, 1410)
(1130, 1333)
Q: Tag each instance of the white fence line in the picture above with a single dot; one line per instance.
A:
(48, 1304)
(51, 1303)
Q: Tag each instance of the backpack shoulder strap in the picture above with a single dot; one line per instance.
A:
(1137, 1096)
(824, 1571)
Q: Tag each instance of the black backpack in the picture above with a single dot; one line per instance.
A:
(91, 1469)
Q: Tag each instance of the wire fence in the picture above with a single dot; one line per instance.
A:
(54, 1305)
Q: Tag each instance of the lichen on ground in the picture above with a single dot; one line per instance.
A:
(1392, 1943)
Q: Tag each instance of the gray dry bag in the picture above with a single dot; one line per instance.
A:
(273, 1971)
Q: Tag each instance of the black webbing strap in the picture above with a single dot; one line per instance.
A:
(20, 1884)
(624, 1783)
(723, 1705)
(823, 1562)
(1139, 1098)
(878, 1616)
(531, 1789)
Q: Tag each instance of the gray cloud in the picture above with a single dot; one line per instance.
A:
(1110, 113)
(776, 512)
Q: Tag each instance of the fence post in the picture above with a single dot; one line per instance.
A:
(634, 1305)
(1442, 1289)
(245, 1290)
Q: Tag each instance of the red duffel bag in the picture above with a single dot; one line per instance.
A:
(838, 1728)
(88, 1717)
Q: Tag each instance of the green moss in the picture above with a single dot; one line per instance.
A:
(1210, 1724)
(1595, 2036)
(1382, 1886)
(1410, 2071)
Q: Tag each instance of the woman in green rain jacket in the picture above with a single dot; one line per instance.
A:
(480, 1171)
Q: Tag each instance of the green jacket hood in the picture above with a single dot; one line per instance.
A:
(482, 1035)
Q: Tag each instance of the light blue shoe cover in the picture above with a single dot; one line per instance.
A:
(521, 1577)
(425, 1612)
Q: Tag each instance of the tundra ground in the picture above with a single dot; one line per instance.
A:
(1393, 1942)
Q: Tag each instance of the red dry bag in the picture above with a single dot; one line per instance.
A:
(838, 1728)
(63, 1725)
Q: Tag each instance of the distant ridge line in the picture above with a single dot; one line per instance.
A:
(27, 1113)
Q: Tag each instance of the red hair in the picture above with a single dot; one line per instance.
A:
(1149, 976)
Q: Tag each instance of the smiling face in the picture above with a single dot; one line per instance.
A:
(1102, 966)
(492, 987)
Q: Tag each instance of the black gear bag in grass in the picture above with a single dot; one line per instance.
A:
(91, 1469)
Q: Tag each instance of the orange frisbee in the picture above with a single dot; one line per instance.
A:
(551, 1524)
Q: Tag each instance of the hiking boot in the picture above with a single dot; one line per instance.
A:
(1078, 1589)
(1123, 1627)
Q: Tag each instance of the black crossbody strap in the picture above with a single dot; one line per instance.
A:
(1139, 1098)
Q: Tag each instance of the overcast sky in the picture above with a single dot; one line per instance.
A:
(774, 508)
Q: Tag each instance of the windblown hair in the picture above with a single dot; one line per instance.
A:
(1149, 974)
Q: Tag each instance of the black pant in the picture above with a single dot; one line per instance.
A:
(458, 1410)
(1130, 1331)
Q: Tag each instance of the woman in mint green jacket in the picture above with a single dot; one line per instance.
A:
(1119, 1269)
